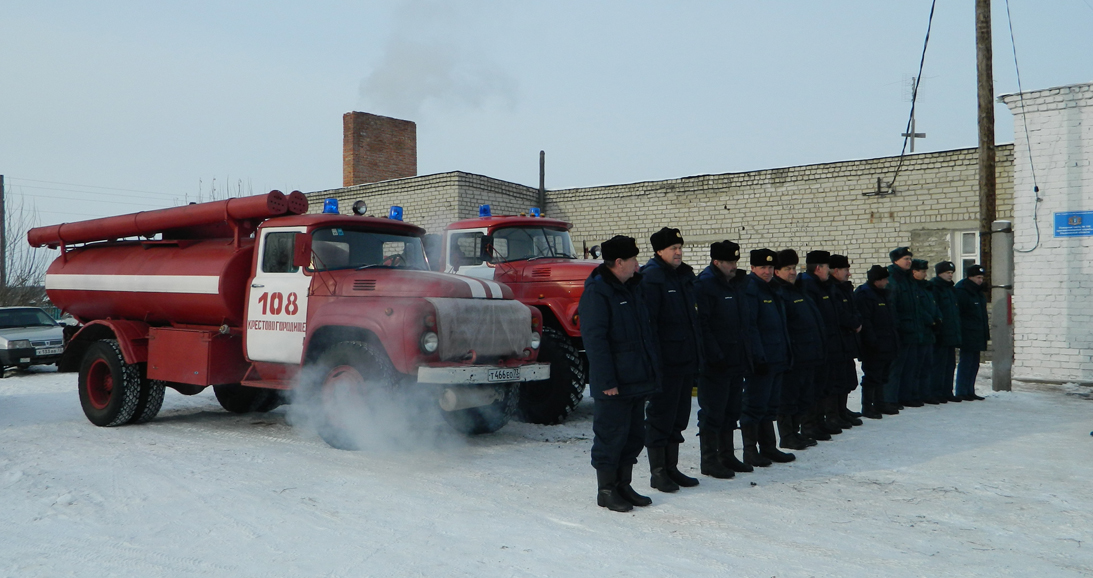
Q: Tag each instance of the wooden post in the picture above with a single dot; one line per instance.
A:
(985, 75)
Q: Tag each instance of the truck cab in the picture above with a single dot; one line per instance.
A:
(535, 257)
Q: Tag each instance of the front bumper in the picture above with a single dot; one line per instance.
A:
(28, 356)
(482, 374)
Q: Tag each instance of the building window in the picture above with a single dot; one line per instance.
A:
(965, 249)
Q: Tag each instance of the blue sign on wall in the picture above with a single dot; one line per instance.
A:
(1075, 224)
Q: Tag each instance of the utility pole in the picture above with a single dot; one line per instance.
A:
(3, 238)
(985, 75)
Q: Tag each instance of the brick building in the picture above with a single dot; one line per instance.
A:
(1053, 236)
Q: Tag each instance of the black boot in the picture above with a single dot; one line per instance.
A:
(711, 464)
(853, 417)
(658, 475)
(812, 424)
(829, 417)
(799, 430)
(869, 403)
(750, 432)
(608, 495)
(671, 463)
(726, 452)
(768, 445)
(626, 475)
(789, 438)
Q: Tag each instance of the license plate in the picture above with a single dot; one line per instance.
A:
(504, 374)
(50, 351)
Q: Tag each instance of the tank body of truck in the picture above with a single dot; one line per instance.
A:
(534, 256)
(244, 294)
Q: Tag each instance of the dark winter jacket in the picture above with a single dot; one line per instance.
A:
(849, 318)
(721, 315)
(820, 294)
(619, 338)
(670, 296)
(768, 338)
(948, 331)
(879, 336)
(805, 324)
(929, 314)
(974, 329)
(902, 296)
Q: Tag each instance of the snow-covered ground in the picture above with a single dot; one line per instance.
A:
(993, 488)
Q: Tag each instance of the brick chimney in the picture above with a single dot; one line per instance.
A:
(377, 148)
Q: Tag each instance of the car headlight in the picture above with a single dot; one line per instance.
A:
(536, 339)
(19, 344)
(429, 342)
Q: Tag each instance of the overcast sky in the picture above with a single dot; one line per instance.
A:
(115, 106)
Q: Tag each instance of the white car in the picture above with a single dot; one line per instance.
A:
(29, 336)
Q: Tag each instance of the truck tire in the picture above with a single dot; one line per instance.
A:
(109, 387)
(150, 402)
(488, 418)
(550, 401)
(355, 381)
(242, 399)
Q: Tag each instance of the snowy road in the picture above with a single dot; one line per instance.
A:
(993, 488)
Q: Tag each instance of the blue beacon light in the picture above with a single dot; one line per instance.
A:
(484, 211)
(395, 213)
(534, 211)
(330, 207)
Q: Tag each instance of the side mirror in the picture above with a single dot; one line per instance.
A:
(594, 251)
(487, 248)
(301, 250)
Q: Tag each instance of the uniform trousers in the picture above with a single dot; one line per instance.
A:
(875, 371)
(720, 397)
(798, 389)
(618, 429)
(911, 381)
(944, 365)
(667, 413)
(761, 395)
(966, 372)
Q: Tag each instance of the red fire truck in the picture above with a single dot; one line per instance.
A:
(243, 294)
(535, 257)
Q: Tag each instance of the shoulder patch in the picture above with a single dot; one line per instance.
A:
(798, 300)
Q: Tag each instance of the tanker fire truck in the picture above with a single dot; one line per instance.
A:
(534, 256)
(253, 297)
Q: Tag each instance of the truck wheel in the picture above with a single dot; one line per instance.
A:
(488, 418)
(354, 386)
(151, 400)
(241, 399)
(109, 387)
(550, 401)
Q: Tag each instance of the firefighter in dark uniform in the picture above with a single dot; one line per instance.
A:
(668, 286)
(850, 325)
(822, 419)
(720, 294)
(947, 332)
(974, 330)
(905, 309)
(620, 342)
(879, 340)
(768, 342)
(805, 325)
(929, 317)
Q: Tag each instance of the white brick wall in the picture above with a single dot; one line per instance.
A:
(1053, 285)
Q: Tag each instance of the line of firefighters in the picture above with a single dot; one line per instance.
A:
(766, 347)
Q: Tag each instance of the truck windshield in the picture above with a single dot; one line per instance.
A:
(526, 243)
(25, 318)
(339, 248)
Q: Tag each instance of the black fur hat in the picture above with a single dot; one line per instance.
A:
(839, 262)
(619, 247)
(817, 258)
(725, 251)
(944, 266)
(763, 257)
(876, 273)
(665, 238)
(899, 253)
(786, 258)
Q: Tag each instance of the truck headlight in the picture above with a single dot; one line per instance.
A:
(536, 339)
(19, 344)
(429, 342)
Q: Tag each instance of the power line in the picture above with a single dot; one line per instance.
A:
(1028, 143)
(914, 97)
(98, 187)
